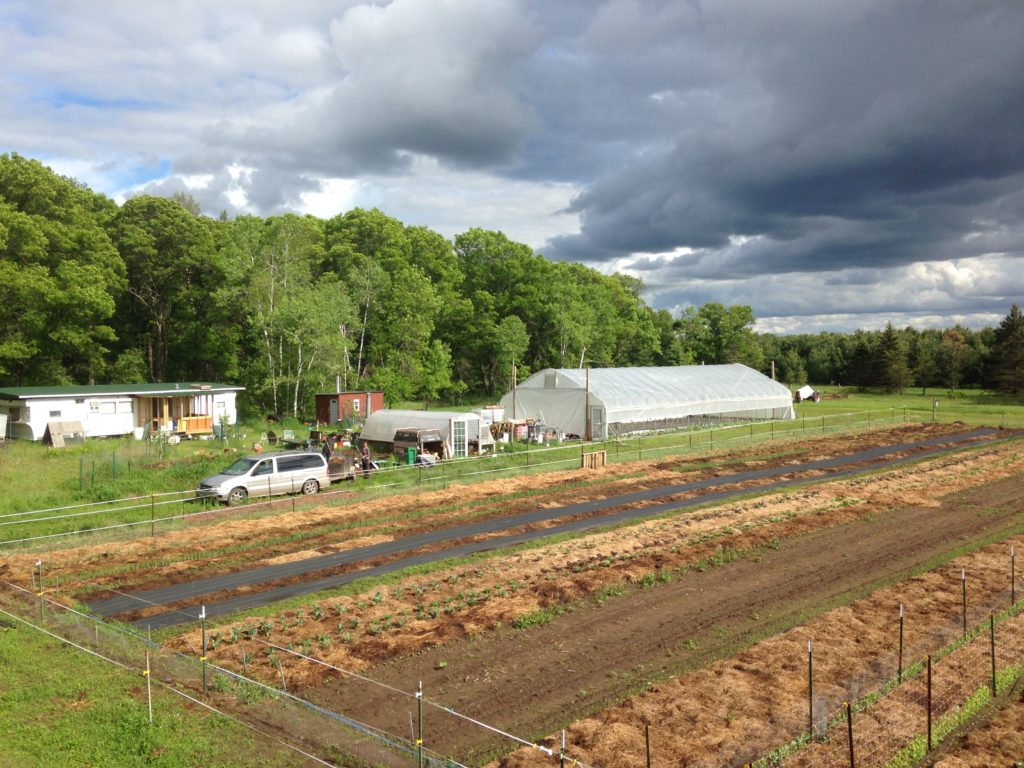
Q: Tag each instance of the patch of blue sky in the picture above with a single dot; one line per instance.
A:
(126, 177)
(19, 15)
(69, 98)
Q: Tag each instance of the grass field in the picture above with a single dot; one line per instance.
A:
(970, 406)
(85, 712)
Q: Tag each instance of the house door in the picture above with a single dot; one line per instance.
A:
(334, 411)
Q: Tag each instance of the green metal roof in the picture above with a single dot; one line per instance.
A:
(87, 390)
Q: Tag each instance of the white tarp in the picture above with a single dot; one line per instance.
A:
(806, 392)
(558, 397)
(380, 426)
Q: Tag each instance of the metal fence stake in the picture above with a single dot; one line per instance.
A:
(419, 727)
(899, 668)
(929, 662)
(149, 688)
(963, 581)
(992, 649)
(849, 731)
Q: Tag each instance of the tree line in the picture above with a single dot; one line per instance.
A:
(151, 290)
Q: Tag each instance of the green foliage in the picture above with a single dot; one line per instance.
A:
(1008, 366)
(87, 712)
(287, 305)
(60, 276)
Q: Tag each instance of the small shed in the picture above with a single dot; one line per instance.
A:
(464, 434)
(333, 407)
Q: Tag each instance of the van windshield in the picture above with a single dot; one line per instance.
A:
(240, 467)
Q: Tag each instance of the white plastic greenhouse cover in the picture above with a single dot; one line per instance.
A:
(380, 426)
(557, 396)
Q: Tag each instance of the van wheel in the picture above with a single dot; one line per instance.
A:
(238, 496)
(310, 486)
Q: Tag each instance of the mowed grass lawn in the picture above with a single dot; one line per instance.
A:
(63, 707)
(971, 406)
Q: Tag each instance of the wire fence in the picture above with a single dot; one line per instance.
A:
(152, 514)
(909, 715)
(273, 711)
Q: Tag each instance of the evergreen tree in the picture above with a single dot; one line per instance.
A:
(1008, 360)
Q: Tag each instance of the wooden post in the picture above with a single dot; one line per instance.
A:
(1013, 576)
(647, 739)
(586, 409)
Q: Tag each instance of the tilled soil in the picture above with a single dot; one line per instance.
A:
(682, 623)
(576, 664)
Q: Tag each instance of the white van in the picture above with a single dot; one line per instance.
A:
(267, 475)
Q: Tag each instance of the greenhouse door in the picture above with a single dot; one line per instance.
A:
(596, 422)
(459, 449)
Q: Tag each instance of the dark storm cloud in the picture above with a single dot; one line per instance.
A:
(833, 134)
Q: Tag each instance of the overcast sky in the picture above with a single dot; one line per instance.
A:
(832, 163)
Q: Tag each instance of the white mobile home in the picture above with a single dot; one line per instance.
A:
(108, 410)
(463, 433)
(599, 402)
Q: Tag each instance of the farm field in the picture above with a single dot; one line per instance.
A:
(694, 622)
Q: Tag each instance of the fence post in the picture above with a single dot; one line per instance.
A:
(202, 618)
(810, 689)
(849, 731)
(561, 752)
(113, 465)
(929, 662)
(647, 740)
(992, 649)
(81, 473)
(963, 581)
(39, 565)
(1013, 576)
(419, 728)
(149, 688)
(152, 514)
(899, 668)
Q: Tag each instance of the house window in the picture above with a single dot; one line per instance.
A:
(79, 401)
(54, 414)
(108, 406)
(94, 406)
(355, 405)
(15, 414)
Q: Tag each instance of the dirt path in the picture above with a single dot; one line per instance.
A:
(525, 681)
